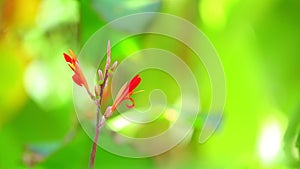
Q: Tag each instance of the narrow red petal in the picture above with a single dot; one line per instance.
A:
(73, 55)
(70, 61)
(132, 103)
(77, 79)
(68, 58)
(134, 83)
(122, 94)
(125, 92)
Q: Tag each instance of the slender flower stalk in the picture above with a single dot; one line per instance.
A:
(100, 124)
(124, 93)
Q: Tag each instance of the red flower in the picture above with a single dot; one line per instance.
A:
(124, 94)
(78, 77)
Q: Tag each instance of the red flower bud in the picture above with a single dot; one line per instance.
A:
(73, 63)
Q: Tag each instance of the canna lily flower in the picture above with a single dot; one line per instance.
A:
(124, 94)
(73, 63)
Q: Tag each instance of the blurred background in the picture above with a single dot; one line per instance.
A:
(258, 44)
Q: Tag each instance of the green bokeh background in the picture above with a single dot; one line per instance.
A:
(258, 44)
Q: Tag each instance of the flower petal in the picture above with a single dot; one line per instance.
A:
(132, 103)
(70, 61)
(122, 94)
(125, 92)
(73, 55)
(77, 79)
(134, 83)
(68, 58)
(108, 112)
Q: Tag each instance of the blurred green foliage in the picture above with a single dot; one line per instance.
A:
(258, 43)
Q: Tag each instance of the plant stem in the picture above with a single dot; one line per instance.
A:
(95, 144)
(90, 94)
(98, 102)
(99, 124)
